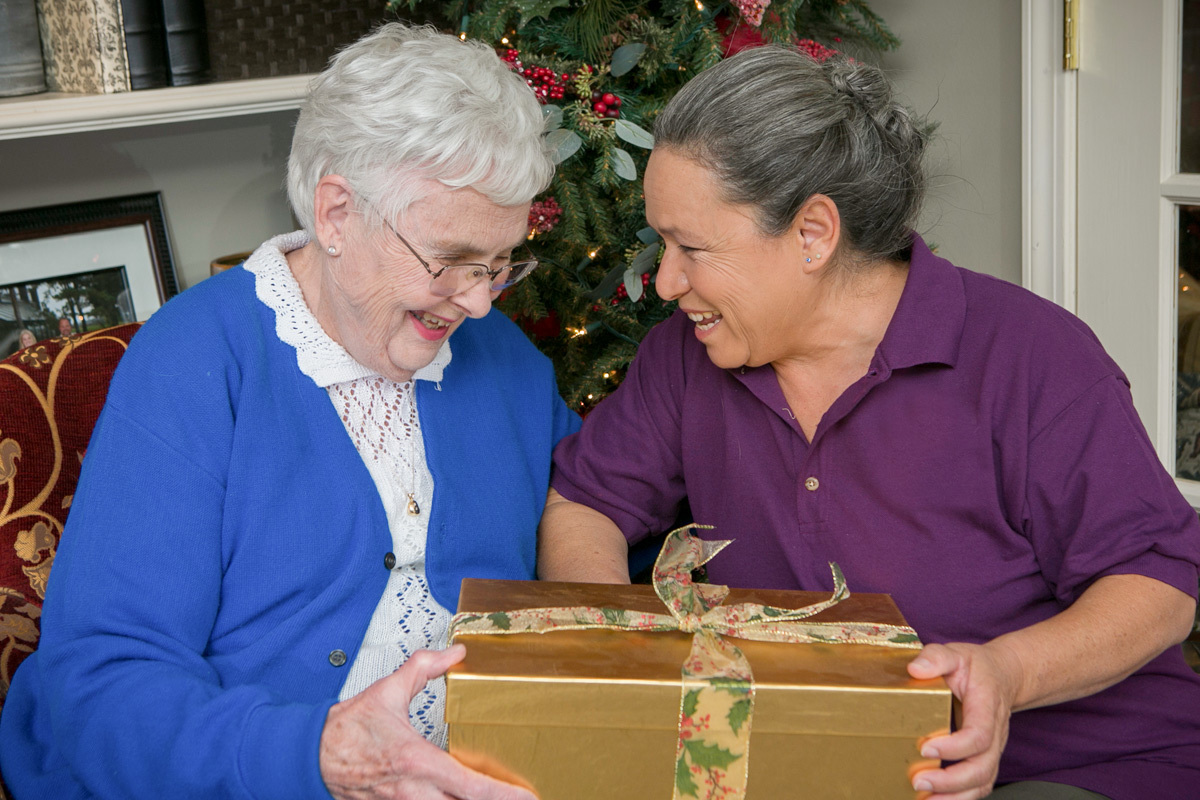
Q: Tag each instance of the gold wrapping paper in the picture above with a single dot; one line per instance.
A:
(594, 714)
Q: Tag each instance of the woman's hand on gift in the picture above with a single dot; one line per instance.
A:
(985, 679)
(369, 751)
(1117, 625)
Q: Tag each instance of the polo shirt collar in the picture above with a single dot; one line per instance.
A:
(927, 325)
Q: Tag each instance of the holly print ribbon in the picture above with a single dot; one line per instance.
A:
(717, 696)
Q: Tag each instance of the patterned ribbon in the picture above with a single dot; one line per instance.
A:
(717, 700)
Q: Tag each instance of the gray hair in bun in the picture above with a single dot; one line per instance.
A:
(777, 127)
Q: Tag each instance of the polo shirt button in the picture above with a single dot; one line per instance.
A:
(389, 560)
(337, 658)
(811, 484)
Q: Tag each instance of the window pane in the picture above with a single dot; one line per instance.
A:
(1187, 385)
(1189, 88)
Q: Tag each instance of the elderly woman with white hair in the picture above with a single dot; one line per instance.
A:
(296, 467)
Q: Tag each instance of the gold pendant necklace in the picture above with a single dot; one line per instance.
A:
(413, 508)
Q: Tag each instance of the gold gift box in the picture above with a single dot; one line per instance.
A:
(594, 714)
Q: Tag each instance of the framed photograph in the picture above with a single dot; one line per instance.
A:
(77, 267)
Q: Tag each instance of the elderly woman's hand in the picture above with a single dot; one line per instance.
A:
(986, 679)
(369, 751)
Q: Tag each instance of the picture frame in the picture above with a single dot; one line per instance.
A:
(94, 263)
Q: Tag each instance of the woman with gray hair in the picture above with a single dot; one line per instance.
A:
(830, 390)
(323, 442)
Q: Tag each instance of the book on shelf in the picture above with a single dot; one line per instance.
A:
(187, 42)
(83, 46)
(21, 70)
(145, 43)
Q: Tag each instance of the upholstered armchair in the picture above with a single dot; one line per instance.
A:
(50, 396)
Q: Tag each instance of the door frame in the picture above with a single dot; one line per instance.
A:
(1056, 263)
(1048, 156)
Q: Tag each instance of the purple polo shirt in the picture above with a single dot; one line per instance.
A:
(984, 472)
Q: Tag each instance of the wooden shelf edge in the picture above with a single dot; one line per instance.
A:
(51, 114)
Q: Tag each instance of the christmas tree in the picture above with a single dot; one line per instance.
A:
(603, 69)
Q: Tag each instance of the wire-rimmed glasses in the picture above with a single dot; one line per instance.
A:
(454, 279)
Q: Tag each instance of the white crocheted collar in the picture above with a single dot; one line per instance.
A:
(318, 356)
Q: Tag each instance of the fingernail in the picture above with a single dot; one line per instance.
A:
(929, 751)
(922, 785)
(921, 663)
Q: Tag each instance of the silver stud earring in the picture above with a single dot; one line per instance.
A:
(818, 255)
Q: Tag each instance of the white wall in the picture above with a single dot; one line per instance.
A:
(960, 63)
(221, 180)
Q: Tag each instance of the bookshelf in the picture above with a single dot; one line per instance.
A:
(216, 152)
(54, 113)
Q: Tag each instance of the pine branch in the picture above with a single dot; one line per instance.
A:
(870, 24)
(604, 175)
(574, 217)
(549, 36)
(707, 50)
(490, 21)
(600, 219)
(593, 24)
(656, 37)
(852, 21)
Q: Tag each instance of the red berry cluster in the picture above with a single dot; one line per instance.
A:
(606, 104)
(752, 10)
(547, 84)
(623, 293)
(544, 215)
(815, 49)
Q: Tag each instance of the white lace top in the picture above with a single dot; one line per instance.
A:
(381, 418)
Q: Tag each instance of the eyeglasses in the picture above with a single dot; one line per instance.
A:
(454, 279)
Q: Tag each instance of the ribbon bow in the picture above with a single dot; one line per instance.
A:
(717, 700)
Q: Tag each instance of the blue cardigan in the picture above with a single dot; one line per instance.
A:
(226, 538)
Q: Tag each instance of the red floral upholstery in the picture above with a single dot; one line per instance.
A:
(50, 396)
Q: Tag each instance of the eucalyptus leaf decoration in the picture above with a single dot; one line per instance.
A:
(645, 260)
(609, 283)
(626, 57)
(634, 134)
(623, 164)
(633, 284)
(564, 143)
(552, 118)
